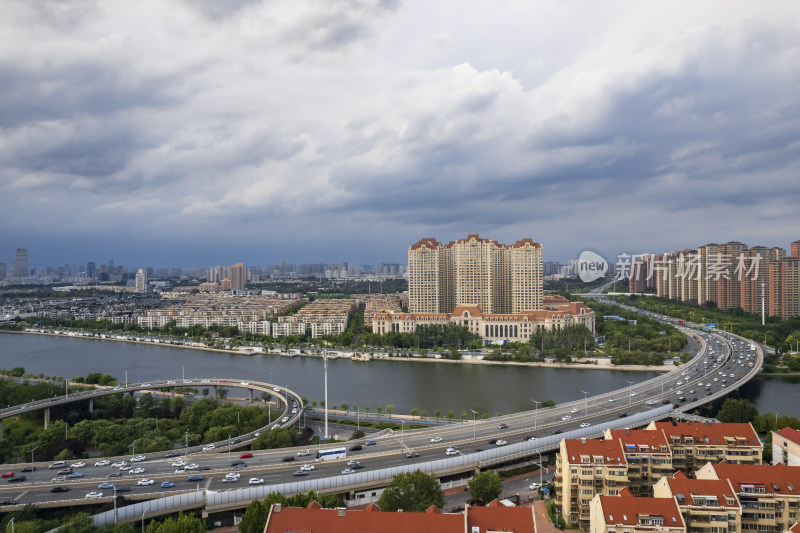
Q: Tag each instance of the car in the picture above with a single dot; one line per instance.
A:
(303, 453)
(451, 451)
(348, 471)
(622, 415)
(119, 464)
(167, 484)
(285, 419)
(530, 437)
(534, 486)
(634, 393)
(233, 475)
(208, 447)
(699, 384)
(237, 463)
(123, 488)
(585, 424)
(691, 391)
(246, 384)
(237, 440)
(256, 481)
(651, 402)
(18, 479)
(307, 467)
(138, 458)
(180, 470)
(298, 473)
(74, 475)
(79, 464)
(665, 402)
(105, 485)
(8, 502)
(112, 474)
(93, 495)
(612, 399)
(171, 454)
(195, 477)
(192, 466)
(573, 410)
(144, 482)
(289, 458)
(137, 470)
(566, 417)
(679, 383)
(556, 431)
(502, 426)
(678, 392)
(29, 469)
(501, 443)
(248, 455)
(240, 465)
(370, 443)
(59, 488)
(125, 468)
(230, 480)
(436, 439)
(356, 448)
(276, 389)
(411, 455)
(179, 464)
(492, 441)
(57, 464)
(7, 474)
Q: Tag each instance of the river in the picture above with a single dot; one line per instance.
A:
(429, 386)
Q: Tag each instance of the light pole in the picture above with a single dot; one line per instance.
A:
(33, 468)
(143, 513)
(402, 433)
(474, 412)
(535, 412)
(541, 467)
(585, 404)
(358, 420)
(325, 366)
(187, 442)
(630, 391)
(229, 447)
(133, 445)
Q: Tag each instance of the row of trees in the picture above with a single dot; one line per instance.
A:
(32, 520)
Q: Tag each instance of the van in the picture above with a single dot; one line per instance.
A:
(57, 464)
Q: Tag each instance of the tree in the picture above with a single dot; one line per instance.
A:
(485, 487)
(358, 434)
(276, 438)
(451, 415)
(412, 492)
(414, 411)
(734, 410)
(345, 406)
(185, 523)
(254, 518)
(390, 410)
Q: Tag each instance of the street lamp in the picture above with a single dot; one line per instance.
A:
(229, 447)
(143, 513)
(630, 391)
(585, 404)
(358, 420)
(541, 467)
(187, 442)
(535, 412)
(474, 412)
(133, 445)
(402, 433)
(33, 468)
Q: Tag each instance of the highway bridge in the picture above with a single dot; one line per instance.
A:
(528, 435)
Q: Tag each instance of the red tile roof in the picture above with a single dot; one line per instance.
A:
(774, 478)
(610, 451)
(790, 434)
(497, 517)
(712, 433)
(301, 520)
(680, 484)
(641, 441)
(626, 510)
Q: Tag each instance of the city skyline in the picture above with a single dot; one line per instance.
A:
(188, 133)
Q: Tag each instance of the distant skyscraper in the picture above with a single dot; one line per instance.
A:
(21, 264)
(91, 269)
(238, 277)
(141, 281)
(794, 249)
(3, 271)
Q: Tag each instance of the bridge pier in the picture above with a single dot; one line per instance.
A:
(251, 395)
(46, 417)
(172, 393)
(91, 405)
(215, 391)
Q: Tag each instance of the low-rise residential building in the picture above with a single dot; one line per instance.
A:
(584, 468)
(786, 447)
(769, 494)
(625, 513)
(693, 444)
(707, 505)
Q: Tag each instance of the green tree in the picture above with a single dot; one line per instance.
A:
(184, 523)
(451, 415)
(414, 411)
(390, 410)
(734, 410)
(254, 518)
(412, 492)
(276, 438)
(358, 434)
(344, 406)
(485, 487)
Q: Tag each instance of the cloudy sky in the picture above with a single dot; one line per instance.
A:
(192, 133)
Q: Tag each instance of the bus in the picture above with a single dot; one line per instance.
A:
(331, 453)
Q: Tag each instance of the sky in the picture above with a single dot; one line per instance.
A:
(202, 132)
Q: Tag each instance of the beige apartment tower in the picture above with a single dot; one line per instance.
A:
(497, 278)
(238, 277)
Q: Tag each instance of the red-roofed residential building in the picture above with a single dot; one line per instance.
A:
(313, 519)
(585, 467)
(706, 504)
(786, 447)
(769, 494)
(693, 444)
(627, 514)
(649, 457)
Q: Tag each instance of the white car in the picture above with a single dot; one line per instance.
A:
(651, 402)
(125, 467)
(137, 470)
(79, 464)
(566, 417)
(451, 451)
(348, 471)
(145, 482)
(179, 464)
(574, 410)
(94, 495)
(303, 453)
(285, 419)
(180, 471)
(634, 393)
(233, 475)
(501, 443)
(436, 439)
(192, 466)
(585, 424)
(307, 468)
(119, 464)
(276, 389)
(104, 462)
(138, 458)
(534, 486)
(246, 384)
(256, 481)
(208, 447)
(612, 399)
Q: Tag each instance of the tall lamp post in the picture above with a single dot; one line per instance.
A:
(535, 412)
(630, 391)
(143, 513)
(541, 467)
(402, 433)
(474, 412)
(325, 366)
(585, 404)
(33, 468)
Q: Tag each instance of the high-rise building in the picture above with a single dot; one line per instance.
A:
(91, 269)
(708, 260)
(784, 287)
(141, 281)
(794, 249)
(3, 271)
(495, 277)
(729, 287)
(21, 264)
(238, 277)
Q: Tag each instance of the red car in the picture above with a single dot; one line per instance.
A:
(246, 455)
(8, 474)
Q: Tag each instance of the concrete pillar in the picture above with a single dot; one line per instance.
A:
(215, 391)
(46, 417)
(251, 394)
(172, 393)
(91, 405)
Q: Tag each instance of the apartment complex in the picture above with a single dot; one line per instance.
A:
(786, 447)
(648, 456)
(474, 272)
(141, 281)
(625, 513)
(238, 277)
(693, 444)
(321, 317)
(768, 494)
(707, 505)
(494, 328)
(730, 275)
